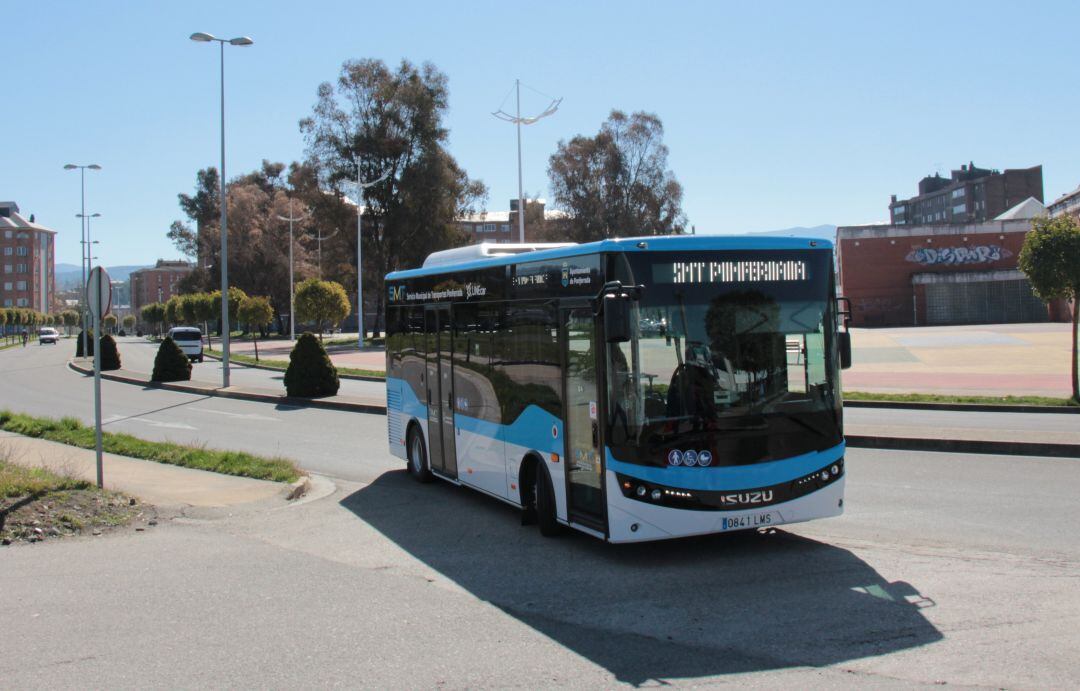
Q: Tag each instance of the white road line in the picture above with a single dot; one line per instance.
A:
(146, 421)
(238, 416)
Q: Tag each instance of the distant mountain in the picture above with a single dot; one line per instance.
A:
(825, 232)
(69, 276)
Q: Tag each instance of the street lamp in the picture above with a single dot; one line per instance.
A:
(360, 187)
(519, 121)
(239, 41)
(292, 293)
(82, 233)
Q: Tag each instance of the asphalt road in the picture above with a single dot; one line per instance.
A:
(946, 569)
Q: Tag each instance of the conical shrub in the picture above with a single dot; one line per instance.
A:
(310, 371)
(171, 364)
(110, 354)
(89, 344)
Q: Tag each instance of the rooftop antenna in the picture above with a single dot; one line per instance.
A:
(518, 120)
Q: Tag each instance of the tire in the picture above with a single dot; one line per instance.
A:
(545, 503)
(418, 461)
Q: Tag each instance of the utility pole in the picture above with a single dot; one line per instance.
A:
(360, 187)
(518, 121)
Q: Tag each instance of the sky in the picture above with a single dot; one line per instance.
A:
(776, 114)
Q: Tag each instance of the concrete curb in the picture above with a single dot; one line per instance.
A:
(349, 406)
(977, 446)
(357, 377)
(969, 407)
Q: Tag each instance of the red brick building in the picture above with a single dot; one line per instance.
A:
(898, 275)
(28, 268)
(157, 283)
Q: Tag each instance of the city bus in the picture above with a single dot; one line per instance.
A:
(633, 389)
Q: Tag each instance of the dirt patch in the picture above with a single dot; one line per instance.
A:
(64, 513)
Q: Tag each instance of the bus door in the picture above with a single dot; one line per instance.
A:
(440, 391)
(584, 451)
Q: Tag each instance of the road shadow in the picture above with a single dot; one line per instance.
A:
(683, 609)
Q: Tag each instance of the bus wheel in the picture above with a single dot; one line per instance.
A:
(418, 465)
(545, 503)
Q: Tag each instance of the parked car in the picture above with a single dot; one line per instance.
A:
(48, 335)
(189, 338)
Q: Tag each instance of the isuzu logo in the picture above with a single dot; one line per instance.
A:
(746, 498)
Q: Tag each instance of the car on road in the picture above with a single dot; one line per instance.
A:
(189, 338)
(48, 335)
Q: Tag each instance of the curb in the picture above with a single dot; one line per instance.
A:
(968, 407)
(357, 377)
(976, 446)
(370, 408)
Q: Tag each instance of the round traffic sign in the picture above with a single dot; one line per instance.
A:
(99, 292)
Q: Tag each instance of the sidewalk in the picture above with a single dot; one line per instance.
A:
(159, 484)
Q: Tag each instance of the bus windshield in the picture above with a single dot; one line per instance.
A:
(734, 355)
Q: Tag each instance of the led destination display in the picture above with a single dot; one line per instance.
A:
(733, 271)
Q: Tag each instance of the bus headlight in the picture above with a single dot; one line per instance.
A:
(656, 495)
(641, 491)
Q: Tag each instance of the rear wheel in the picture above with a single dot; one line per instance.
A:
(545, 503)
(418, 463)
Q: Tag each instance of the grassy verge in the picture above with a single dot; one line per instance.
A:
(284, 364)
(938, 398)
(72, 432)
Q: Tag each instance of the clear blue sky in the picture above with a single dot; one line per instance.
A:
(776, 114)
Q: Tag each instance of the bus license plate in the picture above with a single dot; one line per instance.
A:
(754, 520)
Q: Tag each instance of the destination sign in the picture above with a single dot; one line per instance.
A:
(735, 271)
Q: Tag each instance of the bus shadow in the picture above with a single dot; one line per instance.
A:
(684, 609)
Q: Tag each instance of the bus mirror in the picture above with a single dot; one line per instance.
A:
(616, 317)
(845, 349)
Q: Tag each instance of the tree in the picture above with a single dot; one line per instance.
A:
(128, 322)
(109, 323)
(1051, 259)
(256, 312)
(153, 314)
(110, 354)
(203, 208)
(204, 312)
(376, 121)
(310, 372)
(174, 311)
(617, 183)
(70, 318)
(322, 302)
(236, 295)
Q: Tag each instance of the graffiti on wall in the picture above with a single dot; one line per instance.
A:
(955, 256)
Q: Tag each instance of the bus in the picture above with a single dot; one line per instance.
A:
(633, 389)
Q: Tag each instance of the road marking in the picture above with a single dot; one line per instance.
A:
(153, 423)
(238, 416)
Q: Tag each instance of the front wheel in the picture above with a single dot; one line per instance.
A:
(418, 463)
(545, 503)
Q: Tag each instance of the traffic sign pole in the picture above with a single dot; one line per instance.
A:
(99, 289)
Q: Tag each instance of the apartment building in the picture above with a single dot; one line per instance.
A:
(27, 251)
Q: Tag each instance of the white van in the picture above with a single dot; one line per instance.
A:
(189, 338)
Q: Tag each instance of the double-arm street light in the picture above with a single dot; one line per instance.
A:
(83, 238)
(238, 41)
(360, 187)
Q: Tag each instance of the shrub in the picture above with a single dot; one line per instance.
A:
(110, 355)
(89, 343)
(310, 372)
(171, 364)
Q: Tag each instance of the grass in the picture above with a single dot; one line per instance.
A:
(284, 364)
(17, 481)
(72, 432)
(939, 398)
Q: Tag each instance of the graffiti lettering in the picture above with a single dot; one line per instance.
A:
(953, 256)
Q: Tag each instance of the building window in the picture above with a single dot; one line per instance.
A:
(489, 227)
(20, 285)
(22, 302)
(7, 285)
(505, 228)
(20, 268)
(7, 268)
(22, 251)
(959, 209)
(956, 194)
(7, 302)
(8, 251)
(7, 234)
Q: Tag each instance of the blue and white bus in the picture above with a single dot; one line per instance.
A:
(633, 389)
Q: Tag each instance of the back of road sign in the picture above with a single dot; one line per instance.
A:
(99, 292)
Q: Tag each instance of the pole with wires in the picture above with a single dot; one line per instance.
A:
(518, 121)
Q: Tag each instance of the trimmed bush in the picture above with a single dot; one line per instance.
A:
(310, 372)
(171, 364)
(110, 355)
(89, 344)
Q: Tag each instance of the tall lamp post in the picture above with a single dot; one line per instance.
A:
(518, 120)
(82, 233)
(238, 41)
(291, 218)
(360, 187)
